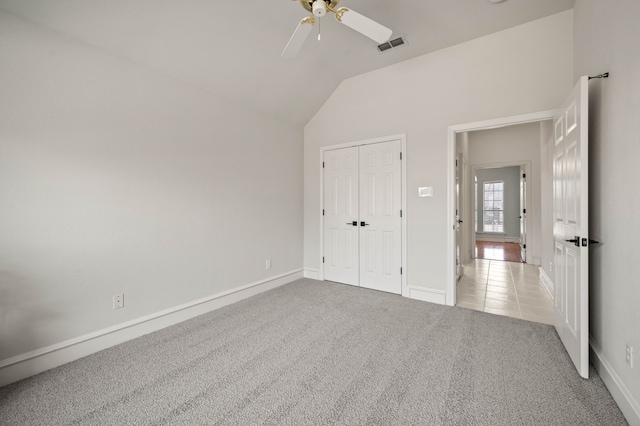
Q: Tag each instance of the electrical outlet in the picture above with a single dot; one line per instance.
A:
(630, 355)
(267, 264)
(118, 301)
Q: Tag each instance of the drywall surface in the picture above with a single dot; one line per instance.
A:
(510, 177)
(606, 40)
(514, 145)
(521, 70)
(115, 179)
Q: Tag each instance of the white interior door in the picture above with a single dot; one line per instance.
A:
(571, 226)
(523, 214)
(362, 216)
(380, 220)
(341, 262)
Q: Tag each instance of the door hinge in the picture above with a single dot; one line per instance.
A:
(400, 213)
(323, 259)
(456, 163)
(400, 271)
(323, 164)
(524, 211)
(524, 246)
(322, 212)
(524, 176)
(401, 156)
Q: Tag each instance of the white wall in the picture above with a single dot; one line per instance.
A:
(116, 179)
(518, 144)
(510, 176)
(606, 39)
(520, 70)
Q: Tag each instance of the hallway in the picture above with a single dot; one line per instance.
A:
(504, 288)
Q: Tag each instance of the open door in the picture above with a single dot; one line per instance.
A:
(571, 225)
(523, 214)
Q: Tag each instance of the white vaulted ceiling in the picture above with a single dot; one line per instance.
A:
(232, 48)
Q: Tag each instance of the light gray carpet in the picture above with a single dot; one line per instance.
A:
(322, 353)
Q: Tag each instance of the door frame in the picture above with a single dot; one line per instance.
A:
(403, 195)
(523, 164)
(451, 180)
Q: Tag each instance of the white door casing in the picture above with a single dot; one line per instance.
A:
(371, 194)
(571, 226)
(459, 221)
(523, 214)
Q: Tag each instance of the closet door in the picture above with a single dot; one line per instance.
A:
(380, 216)
(341, 262)
(362, 216)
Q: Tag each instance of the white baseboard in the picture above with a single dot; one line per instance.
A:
(618, 390)
(31, 363)
(311, 273)
(547, 282)
(427, 295)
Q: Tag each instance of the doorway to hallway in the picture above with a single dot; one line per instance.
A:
(504, 288)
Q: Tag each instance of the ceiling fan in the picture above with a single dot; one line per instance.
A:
(350, 18)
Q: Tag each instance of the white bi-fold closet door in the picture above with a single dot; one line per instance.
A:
(362, 224)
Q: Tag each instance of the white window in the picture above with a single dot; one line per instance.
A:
(493, 208)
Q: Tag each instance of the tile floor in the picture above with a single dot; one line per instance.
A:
(504, 288)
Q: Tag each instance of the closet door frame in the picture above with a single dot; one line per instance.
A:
(403, 192)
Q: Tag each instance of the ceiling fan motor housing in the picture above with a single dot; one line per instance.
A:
(311, 5)
(319, 8)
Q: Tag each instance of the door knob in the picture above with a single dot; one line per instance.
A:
(575, 241)
(364, 224)
(459, 221)
(354, 223)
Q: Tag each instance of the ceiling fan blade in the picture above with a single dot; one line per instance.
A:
(298, 38)
(364, 25)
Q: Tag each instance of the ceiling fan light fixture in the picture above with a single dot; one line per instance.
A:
(319, 8)
(348, 17)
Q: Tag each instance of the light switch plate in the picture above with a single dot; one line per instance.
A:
(425, 191)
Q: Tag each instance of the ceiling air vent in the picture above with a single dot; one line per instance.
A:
(396, 42)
